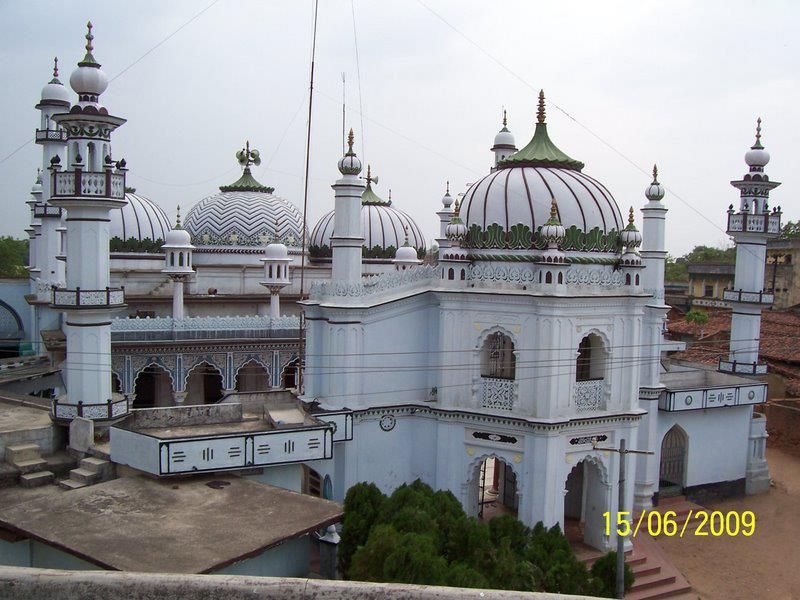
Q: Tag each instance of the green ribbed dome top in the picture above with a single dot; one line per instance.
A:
(541, 151)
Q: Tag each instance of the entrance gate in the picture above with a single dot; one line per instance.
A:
(672, 472)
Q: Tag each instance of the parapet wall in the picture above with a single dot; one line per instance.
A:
(45, 584)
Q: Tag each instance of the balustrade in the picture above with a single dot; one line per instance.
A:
(498, 393)
(588, 395)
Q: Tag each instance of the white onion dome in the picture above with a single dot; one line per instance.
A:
(447, 199)
(455, 230)
(553, 231)
(140, 220)
(36, 188)
(655, 191)
(507, 208)
(350, 164)
(757, 156)
(630, 236)
(178, 237)
(406, 253)
(88, 80)
(276, 251)
(504, 138)
(382, 225)
(245, 213)
(54, 93)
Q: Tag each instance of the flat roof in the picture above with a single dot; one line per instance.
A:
(687, 378)
(176, 525)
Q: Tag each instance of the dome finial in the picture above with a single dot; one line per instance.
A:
(370, 179)
(554, 219)
(757, 145)
(247, 157)
(89, 58)
(505, 117)
(178, 218)
(630, 216)
(655, 174)
(447, 190)
(55, 67)
(350, 138)
(540, 113)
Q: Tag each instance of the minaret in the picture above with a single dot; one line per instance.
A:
(750, 229)
(504, 143)
(178, 263)
(347, 238)
(34, 231)
(276, 272)
(89, 188)
(444, 220)
(654, 251)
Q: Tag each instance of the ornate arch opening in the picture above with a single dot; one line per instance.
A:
(672, 464)
(586, 498)
(152, 387)
(498, 360)
(204, 384)
(289, 374)
(493, 488)
(252, 376)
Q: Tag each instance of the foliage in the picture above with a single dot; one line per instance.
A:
(420, 536)
(133, 245)
(790, 230)
(604, 572)
(698, 317)
(13, 257)
(674, 270)
(707, 254)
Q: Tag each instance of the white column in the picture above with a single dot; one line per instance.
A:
(348, 238)
(177, 298)
(274, 304)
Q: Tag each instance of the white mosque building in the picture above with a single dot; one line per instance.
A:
(534, 342)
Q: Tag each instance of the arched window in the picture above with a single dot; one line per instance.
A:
(451, 274)
(270, 272)
(171, 259)
(463, 275)
(497, 357)
(92, 162)
(560, 278)
(637, 280)
(627, 279)
(180, 259)
(548, 278)
(591, 361)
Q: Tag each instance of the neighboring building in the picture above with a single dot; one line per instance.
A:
(783, 271)
(707, 282)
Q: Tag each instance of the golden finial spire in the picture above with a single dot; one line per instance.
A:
(456, 207)
(448, 187)
(89, 38)
(540, 114)
(553, 209)
(178, 218)
(505, 117)
(55, 67)
(630, 216)
(757, 145)
(370, 178)
(350, 143)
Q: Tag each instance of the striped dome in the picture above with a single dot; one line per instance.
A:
(244, 218)
(140, 219)
(382, 225)
(523, 195)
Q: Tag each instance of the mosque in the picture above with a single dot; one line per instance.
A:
(508, 364)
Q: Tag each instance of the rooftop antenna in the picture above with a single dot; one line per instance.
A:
(301, 340)
(343, 115)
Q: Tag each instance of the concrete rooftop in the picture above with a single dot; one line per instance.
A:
(176, 526)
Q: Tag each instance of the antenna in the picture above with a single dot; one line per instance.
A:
(343, 113)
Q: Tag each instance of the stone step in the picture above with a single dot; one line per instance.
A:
(652, 581)
(671, 500)
(61, 463)
(97, 465)
(84, 476)
(667, 591)
(36, 479)
(22, 452)
(644, 569)
(30, 466)
(70, 484)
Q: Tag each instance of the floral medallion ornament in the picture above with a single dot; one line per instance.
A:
(388, 422)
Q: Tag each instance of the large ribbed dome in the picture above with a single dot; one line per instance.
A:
(245, 213)
(140, 219)
(384, 228)
(507, 208)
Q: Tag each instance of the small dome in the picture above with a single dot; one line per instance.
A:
(447, 199)
(139, 220)
(350, 164)
(756, 157)
(382, 225)
(455, 230)
(276, 251)
(406, 254)
(630, 236)
(88, 78)
(504, 138)
(178, 238)
(655, 191)
(55, 92)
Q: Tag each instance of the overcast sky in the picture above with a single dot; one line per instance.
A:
(679, 83)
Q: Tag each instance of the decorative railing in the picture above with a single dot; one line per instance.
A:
(762, 297)
(754, 223)
(110, 409)
(410, 278)
(498, 393)
(92, 184)
(588, 395)
(79, 298)
(710, 302)
(45, 210)
(200, 328)
(743, 368)
(51, 135)
(702, 398)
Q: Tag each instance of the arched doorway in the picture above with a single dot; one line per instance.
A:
(116, 384)
(153, 387)
(493, 489)
(289, 374)
(585, 501)
(672, 469)
(204, 384)
(312, 482)
(252, 377)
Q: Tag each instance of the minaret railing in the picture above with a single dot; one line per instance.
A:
(88, 184)
(51, 135)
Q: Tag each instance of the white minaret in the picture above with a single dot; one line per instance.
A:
(89, 188)
(444, 220)
(347, 238)
(178, 263)
(750, 228)
(276, 274)
(504, 143)
(35, 228)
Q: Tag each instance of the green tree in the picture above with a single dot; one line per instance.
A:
(698, 317)
(362, 505)
(414, 559)
(604, 576)
(675, 271)
(707, 254)
(790, 230)
(13, 257)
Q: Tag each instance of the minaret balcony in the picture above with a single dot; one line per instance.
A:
(50, 135)
(89, 184)
(45, 210)
(762, 297)
(769, 224)
(88, 299)
(742, 368)
(63, 410)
